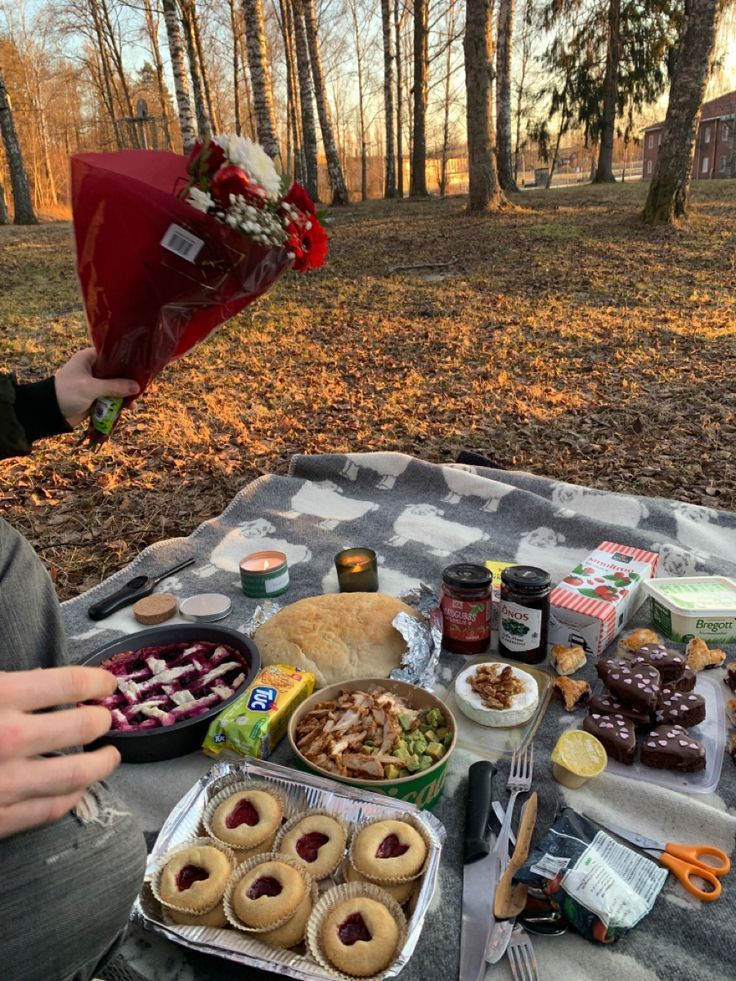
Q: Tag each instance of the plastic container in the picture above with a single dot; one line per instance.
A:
(695, 606)
(577, 757)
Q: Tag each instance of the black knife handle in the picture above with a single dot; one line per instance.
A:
(134, 590)
(478, 810)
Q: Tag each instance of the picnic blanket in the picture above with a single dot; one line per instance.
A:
(420, 517)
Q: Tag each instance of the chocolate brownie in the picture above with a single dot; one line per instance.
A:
(671, 747)
(685, 708)
(670, 664)
(686, 681)
(615, 732)
(633, 684)
(606, 704)
(730, 678)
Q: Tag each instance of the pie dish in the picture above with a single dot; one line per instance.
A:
(268, 895)
(388, 850)
(246, 819)
(318, 840)
(359, 936)
(194, 878)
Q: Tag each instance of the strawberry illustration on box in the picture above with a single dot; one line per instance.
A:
(590, 606)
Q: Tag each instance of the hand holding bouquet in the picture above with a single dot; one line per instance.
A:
(168, 248)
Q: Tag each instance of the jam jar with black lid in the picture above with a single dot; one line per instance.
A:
(524, 613)
(465, 602)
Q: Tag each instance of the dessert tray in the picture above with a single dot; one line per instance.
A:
(300, 791)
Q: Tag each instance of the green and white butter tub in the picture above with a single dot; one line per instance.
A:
(694, 606)
(423, 788)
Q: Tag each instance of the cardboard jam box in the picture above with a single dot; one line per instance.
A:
(591, 605)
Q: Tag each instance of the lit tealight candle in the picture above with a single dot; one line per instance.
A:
(264, 574)
(357, 570)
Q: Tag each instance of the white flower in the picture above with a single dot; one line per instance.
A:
(201, 200)
(254, 160)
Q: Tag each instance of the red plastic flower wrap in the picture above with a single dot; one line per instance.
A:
(170, 247)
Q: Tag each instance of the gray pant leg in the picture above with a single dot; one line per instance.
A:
(67, 888)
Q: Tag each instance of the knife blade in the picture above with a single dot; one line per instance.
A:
(481, 871)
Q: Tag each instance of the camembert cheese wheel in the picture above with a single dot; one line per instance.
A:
(520, 710)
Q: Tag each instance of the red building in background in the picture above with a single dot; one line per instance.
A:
(715, 146)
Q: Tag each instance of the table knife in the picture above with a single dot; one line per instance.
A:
(481, 871)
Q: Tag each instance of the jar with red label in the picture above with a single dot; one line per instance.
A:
(524, 613)
(465, 602)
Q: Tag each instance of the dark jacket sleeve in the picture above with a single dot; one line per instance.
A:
(27, 413)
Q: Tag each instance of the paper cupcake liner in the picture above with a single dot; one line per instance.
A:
(402, 892)
(390, 880)
(292, 823)
(267, 845)
(313, 899)
(242, 870)
(352, 890)
(171, 922)
(165, 859)
(235, 788)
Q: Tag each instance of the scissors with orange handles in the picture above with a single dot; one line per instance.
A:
(686, 862)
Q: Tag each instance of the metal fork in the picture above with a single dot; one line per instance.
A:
(522, 959)
(519, 781)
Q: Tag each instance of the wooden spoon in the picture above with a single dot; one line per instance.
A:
(511, 900)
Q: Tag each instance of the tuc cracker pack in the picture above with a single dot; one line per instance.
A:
(591, 605)
(255, 723)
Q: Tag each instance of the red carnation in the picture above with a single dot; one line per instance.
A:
(205, 160)
(309, 245)
(297, 196)
(232, 180)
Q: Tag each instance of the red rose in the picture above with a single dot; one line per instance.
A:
(309, 245)
(297, 196)
(205, 160)
(232, 180)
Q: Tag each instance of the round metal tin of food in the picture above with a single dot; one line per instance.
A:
(264, 574)
(205, 607)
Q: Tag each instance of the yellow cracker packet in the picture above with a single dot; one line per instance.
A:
(255, 723)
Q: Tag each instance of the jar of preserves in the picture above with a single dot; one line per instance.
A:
(524, 613)
(465, 602)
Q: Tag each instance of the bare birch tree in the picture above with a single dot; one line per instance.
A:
(398, 22)
(389, 187)
(504, 57)
(446, 106)
(260, 79)
(418, 176)
(4, 218)
(485, 192)
(293, 129)
(204, 127)
(669, 190)
(181, 86)
(334, 168)
(359, 56)
(152, 23)
(306, 102)
(23, 213)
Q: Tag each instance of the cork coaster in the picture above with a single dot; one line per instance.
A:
(155, 608)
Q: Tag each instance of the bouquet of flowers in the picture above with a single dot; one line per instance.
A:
(170, 247)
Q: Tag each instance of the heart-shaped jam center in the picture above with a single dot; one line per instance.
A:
(265, 886)
(353, 929)
(391, 847)
(189, 875)
(309, 845)
(242, 813)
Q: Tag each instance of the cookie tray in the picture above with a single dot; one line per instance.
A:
(301, 791)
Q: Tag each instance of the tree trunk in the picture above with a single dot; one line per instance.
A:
(446, 110)
(389, 187)
(204, 130)
(22, 205)
(337, 181)
(399, 105)
(669, 190)
(106, 87)
(418, 177)
(117, 59)
(236, 67)
(521, 85)
(604, 172)
(246, 84)
(255, 37)
(293, 129)
(361, 105)
(484, 191)
(4, 219)
(504, 56)
(181, 86)
(152, 26)
(202, 62)
(306, 102)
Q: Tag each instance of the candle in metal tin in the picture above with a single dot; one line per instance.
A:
(357, 570)
(264, 574)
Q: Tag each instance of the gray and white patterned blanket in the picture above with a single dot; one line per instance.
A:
(420, 517)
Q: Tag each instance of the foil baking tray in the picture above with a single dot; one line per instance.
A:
(301, 791)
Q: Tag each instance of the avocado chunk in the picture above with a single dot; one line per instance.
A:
(435, 750)
(391, 772)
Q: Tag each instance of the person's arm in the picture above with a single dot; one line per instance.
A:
(37, 789)
(55, 405)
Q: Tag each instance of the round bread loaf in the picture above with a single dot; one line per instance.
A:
(337, 637)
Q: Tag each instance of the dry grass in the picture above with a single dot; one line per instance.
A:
(565, 338)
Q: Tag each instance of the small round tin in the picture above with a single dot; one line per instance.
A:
(264, 574)
(205, 607)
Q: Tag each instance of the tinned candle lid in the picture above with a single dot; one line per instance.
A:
(205, 607)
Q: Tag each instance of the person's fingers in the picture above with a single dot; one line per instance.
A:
(113, 387)
(55, 776)
(22, 734)
(49, 687)
(32, 813)
(86, 358)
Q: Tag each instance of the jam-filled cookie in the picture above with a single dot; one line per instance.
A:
(214, 918)
(318, 840)
(246, 819)
(389, 850)
(359, 936)
(268, 894)
(292, 932)
(194, 879)
(401, 891)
